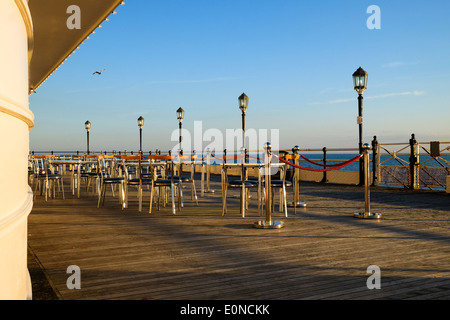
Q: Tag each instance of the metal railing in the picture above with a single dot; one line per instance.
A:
(412, 164)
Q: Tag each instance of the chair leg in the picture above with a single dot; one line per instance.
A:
(126, 195)
(224, 199)
(285, 201)
(173, 198)
(247, 198)
(72, 183)
(165, 197)
(122, 194)
(46, 189)
(140, 198)
(151, 199)
(62, 188)
(180, 196)
(195, 192)
(99, 193)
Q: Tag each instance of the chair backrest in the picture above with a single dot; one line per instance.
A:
(40, 166)
(101, 166)
(127, 162)
(37, 166)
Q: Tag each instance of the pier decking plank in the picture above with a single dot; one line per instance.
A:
(321, 253)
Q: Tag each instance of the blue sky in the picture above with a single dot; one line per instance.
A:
(293, 58)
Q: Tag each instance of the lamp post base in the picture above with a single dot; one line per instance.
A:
(264, 224)
(370, 215)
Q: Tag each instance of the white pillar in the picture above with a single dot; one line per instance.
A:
(16, 37)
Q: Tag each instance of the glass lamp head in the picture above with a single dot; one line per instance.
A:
(140, 122)
(180, 114)
(360, 80)
(243, 102)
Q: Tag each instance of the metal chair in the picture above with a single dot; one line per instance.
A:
(281, 184)
(243, 183)
(163, 182)
(47, 178)
(139, 180)
(91, 172)
(187, 179)
(107, 177)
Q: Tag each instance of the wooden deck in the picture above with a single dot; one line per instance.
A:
(321, 253)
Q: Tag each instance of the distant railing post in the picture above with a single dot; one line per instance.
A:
(324, 179)
(413, 162)
(375, 161)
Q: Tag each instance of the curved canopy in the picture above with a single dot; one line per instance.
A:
(53, 40)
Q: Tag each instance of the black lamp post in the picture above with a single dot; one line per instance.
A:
(140, 125)
(180, 117)
(360, 85)
(87, 126)
(243, 105)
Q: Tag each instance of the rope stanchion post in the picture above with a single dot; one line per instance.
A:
(366, 214)
(268, 223)
(296, 182)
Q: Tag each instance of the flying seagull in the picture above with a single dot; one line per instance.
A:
(98, 72)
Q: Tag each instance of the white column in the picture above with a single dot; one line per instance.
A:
(15, 122)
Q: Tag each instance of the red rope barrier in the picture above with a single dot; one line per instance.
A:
(327, 165)
(346, 163)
